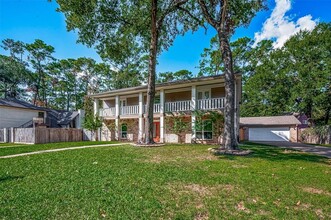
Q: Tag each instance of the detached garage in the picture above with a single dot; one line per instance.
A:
(275, 128)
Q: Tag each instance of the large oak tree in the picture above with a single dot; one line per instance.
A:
(225, 16)
(117, 28)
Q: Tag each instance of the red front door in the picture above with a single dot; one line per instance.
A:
(156, 129)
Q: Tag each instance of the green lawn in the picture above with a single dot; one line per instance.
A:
(170, 182)
(18, 149)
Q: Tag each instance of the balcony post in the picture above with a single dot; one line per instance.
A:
(117, 117)
(141, 117)
(193, 108)
(96, 107)
(162, 116)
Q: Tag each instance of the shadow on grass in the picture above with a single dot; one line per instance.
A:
(272, 153)
(9, 178)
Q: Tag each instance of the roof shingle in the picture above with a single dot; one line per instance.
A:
(272, 120)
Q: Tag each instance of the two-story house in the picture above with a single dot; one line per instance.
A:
(123, 110)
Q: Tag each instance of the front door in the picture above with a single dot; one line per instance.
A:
(156, 131)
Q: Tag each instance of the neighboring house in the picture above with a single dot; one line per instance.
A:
(273, 128)
(64, 119)
(123, 110)
(303, 119)
(18, 113)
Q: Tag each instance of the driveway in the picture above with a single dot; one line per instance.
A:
(322, 151)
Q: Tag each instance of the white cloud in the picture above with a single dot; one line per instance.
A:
(280, 27)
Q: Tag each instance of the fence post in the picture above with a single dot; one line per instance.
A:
(12, 135)
(5, 135)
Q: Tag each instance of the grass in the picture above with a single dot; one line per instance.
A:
(19, 149)
(170, 182)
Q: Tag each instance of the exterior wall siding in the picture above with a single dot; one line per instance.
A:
(217, 92)
(14, 117)
(132, 101)
(177, 96)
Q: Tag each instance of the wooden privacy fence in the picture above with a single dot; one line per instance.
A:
(50, 135)
(40, 135)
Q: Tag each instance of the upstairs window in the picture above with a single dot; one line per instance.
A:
(205, 130)
(204, 94)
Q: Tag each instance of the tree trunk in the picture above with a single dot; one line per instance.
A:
(151, 76)
(230, 139)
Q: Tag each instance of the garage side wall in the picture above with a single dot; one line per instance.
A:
(293, 134)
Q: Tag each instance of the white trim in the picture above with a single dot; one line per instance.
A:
(96, 107)
(186, 89)
(194, 82)
(162, 98)
(194, 104)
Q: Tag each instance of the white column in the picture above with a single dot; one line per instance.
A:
(193, 107)
(236, 107)
(141, 117)
(117, 117)
(96, 107)
(162, 116)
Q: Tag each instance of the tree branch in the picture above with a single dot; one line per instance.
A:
(172, 7)
(193, 17)
(208, 17)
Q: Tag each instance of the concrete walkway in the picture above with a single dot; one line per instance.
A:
(319, 150)
(61, 149)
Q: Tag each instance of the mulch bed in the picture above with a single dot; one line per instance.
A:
(223, 151)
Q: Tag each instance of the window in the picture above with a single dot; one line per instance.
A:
(123, 102)
(41, 114)
(204, 94)
(124, 131)
(205, 130)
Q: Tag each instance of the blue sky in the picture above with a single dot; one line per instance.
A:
(27, 20)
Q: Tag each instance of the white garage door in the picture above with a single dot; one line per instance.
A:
(269, 134)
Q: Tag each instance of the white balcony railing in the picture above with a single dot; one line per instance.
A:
(107, 112)
(157, 108)
(130, 110)
(178, 106)
(201, 104)
(209, 104)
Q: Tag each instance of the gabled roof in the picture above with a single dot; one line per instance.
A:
(271, 120)
(16, 103)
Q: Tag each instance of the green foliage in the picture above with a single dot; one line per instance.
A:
(32, 73)
(295, 78)
(92, 123)
(318, 134)
(14, 73)
(174, 76)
